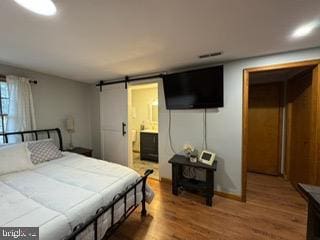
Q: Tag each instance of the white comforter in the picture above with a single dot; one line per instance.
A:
(58, 195)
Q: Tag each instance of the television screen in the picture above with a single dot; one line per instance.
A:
(202, 88)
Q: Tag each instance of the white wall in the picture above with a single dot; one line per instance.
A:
(94, 106)
(54, 99)
(224, 131)
(224, 124)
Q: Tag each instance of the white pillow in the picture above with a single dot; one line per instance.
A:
(14, 158)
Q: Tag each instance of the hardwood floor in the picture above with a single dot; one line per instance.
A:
(141, 166)
(274, 210)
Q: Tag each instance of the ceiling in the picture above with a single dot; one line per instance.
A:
(90, 40)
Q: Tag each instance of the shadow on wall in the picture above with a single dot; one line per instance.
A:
(223, 177)
(220, 175)
(200, 174)
(213, 110)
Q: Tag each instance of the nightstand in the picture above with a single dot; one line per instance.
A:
(178, 180)
(83, 151)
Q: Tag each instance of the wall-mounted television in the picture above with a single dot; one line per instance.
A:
(201, 88)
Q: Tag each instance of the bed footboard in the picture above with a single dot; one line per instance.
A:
(127, 212)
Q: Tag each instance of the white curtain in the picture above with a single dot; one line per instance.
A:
(21, 111)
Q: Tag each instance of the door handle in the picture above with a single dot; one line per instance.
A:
(124, 129)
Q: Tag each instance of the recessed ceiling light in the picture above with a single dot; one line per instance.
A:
(305, 30)
(42, 7)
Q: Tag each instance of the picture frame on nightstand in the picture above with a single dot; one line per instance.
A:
(207, 157)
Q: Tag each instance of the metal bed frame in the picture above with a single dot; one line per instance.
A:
(123, 196)
(34, 134)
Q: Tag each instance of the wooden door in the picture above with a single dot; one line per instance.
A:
(264, 128)
(113, 117)
(300, 157)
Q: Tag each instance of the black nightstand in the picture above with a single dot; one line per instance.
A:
(83, 151)
(206, 187)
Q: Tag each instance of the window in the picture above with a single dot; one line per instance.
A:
(4, 107)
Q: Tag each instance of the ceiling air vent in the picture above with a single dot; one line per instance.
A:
(210, 55)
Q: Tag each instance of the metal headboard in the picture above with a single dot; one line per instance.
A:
(34, 133)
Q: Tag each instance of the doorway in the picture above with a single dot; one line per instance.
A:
(280, 123)
(264, 132)
(143, 125)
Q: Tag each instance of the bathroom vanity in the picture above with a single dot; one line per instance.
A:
(149, 145)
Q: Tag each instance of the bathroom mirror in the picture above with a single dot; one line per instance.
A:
(154, 113)
(153, 110)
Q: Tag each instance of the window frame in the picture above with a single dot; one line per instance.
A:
(2, 115)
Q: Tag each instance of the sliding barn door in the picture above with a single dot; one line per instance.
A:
(113, 117)
(264, 128)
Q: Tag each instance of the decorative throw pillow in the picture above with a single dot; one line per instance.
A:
(43, 150)
(14, 158)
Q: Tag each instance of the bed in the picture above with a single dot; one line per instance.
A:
(72, 197)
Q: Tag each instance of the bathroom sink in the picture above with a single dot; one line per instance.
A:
(149, 131)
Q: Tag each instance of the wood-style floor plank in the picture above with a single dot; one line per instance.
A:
(274, 210)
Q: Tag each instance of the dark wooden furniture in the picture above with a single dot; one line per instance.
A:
(83, 151)
(121, 197)
(179, 181)
(149, 146)
(313, 195)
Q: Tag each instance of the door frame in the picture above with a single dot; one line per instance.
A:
(131, 85)
(245, 110)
